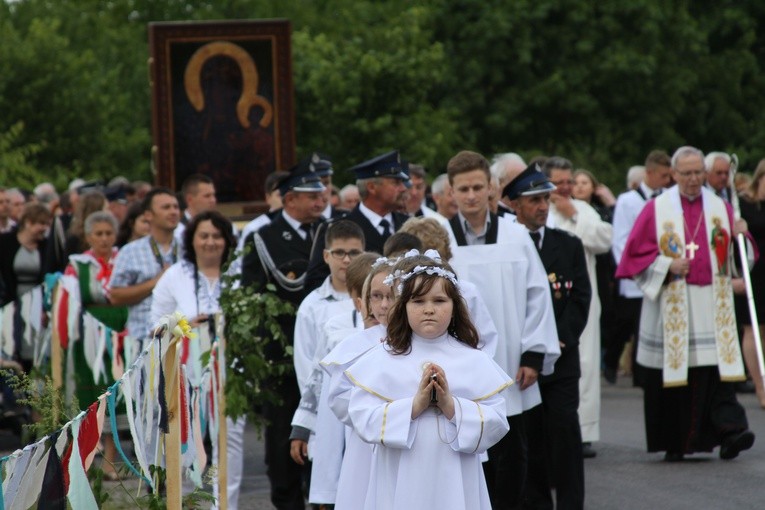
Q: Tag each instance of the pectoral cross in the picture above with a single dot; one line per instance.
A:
(691, 248)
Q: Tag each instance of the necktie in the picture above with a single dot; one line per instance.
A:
(536, 237)
(385, 224)
(306, 227)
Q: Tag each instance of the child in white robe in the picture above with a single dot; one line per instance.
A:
(428, 399)
(327, 440)
(376, 301)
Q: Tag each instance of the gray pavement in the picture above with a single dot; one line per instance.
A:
(622, 477)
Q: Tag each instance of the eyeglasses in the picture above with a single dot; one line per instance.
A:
(378, 297)
(691, 173)
(341, 254)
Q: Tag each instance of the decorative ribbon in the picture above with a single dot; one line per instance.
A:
(79, 494)
(163, 419)
(112, 403)
(89, 434)
(15, 476)
(31, 483)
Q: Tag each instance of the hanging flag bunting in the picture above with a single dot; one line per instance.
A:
(79, 494)
(56, 466)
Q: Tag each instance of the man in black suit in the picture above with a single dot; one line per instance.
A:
(279, 254)
(554, 435)
(380, 182)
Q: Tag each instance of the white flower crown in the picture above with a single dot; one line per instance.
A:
(384, 261)
(395, 275)
(431, 270)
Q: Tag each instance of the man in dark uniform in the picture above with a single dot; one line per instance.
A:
(279, 254)
(554, 435)
(380, 182)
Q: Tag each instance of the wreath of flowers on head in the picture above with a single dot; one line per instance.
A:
(384, 261)
(395, 275)
(431, 270)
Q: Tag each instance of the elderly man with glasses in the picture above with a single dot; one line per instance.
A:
(679, 254)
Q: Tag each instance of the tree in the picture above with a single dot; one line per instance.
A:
(15, 157)
(369, 88)
(601, 82)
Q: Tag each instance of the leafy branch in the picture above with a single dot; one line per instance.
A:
(253, 333)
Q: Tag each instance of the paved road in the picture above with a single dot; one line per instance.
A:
(623, 476)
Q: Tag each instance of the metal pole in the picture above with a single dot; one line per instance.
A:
(745, 270)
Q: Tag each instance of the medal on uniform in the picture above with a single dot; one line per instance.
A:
(287, 235)
(556, 287)
(568, 285)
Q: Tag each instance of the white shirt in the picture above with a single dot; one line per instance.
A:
(175, 292)
(327, 212)
(628, 207)
(541, 233)
(310, 319)
(472, 237)
(295, 224)
(596, 234)
(427, 212)
(375, 218)
(181, 228)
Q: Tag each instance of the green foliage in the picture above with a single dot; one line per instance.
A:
(47, 401)
(601, 82)
(371, 89)
(96, 479)
(251, 329)
(16, 156)
(156, 500)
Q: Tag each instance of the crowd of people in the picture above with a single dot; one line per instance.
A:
(465, 324)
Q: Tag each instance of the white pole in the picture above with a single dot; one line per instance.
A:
(745, 269)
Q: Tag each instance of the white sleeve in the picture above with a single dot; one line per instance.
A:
(477, 426)
(339, 394)
(652, 278)
(381, 422)
(304, 345)
(487, 330)
(163, 300)
(625, 215)
(596, 234)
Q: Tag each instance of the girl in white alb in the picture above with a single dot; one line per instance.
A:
(428, 399)
(376, 301)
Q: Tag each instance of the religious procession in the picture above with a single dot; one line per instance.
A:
(457, 325)
(381, 256)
